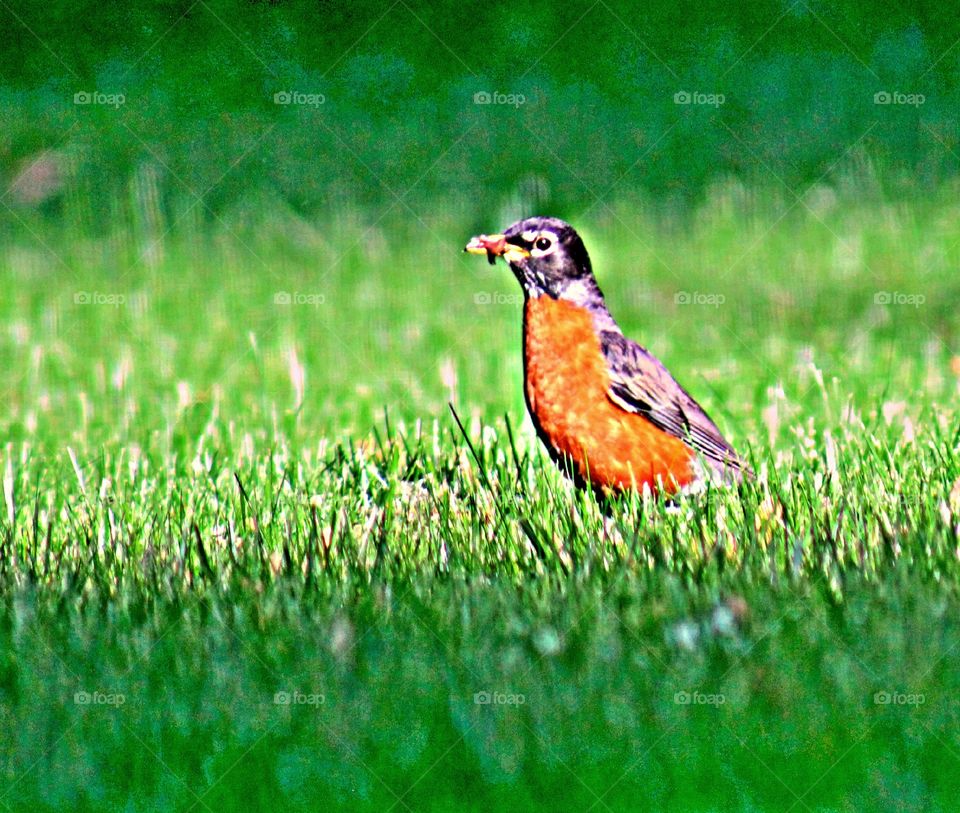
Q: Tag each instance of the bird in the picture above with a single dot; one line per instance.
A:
(607, 410)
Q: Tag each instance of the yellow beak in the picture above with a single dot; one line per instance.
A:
(495, 245)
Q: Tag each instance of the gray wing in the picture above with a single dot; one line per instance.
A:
(639, 383)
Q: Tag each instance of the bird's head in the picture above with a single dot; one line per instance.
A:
(545, 254)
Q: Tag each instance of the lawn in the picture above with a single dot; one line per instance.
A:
(249, 554)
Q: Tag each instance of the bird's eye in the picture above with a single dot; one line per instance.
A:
(543, 243)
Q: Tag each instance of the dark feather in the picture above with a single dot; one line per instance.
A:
(639, 383)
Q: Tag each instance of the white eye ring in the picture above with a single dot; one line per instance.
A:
(543, 235)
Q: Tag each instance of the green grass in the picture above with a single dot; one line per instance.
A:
(211, 498)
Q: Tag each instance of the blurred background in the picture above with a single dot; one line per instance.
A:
(264, 203)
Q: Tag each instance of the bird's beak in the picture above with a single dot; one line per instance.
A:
(495, 245)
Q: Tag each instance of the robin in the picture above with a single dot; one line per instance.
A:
(608, 411)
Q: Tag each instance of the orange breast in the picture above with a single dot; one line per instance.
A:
(566, 381)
